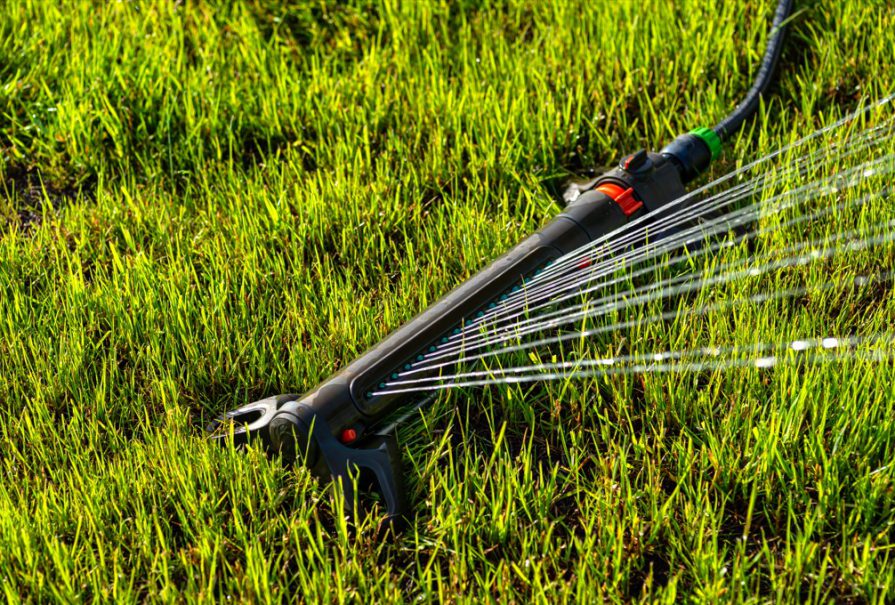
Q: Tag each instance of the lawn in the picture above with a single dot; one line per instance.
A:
(204, 204)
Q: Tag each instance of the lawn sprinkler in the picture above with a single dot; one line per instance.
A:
(336, 428)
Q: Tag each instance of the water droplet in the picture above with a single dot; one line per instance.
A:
(765, 362)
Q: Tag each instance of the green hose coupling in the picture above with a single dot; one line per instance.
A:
(708, 136)
(693, 152)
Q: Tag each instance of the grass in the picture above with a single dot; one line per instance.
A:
(205, 204)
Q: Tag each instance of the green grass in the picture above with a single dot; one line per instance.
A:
(208, 204)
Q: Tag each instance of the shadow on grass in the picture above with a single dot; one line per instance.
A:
(28, 197)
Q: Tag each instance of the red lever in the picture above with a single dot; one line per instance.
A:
(623, 197)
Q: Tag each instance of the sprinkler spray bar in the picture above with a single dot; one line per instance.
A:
(333, 427)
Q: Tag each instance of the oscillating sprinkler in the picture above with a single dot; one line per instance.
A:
(336, 427)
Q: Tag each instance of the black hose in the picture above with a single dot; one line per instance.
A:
(749, 105)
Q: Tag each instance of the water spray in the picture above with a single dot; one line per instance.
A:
(336, 428)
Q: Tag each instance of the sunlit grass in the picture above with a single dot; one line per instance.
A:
(206, 204)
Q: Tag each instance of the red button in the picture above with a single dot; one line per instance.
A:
(628, 203)
(348, 436)
(623, 197)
